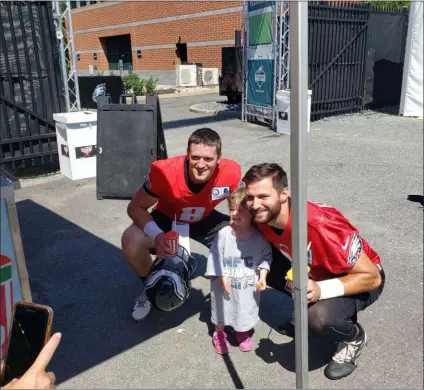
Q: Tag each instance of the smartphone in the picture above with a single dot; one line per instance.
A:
(30, 330)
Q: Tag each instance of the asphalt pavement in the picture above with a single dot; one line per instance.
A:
(368, 165)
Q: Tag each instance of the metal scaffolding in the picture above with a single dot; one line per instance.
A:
(65, 35)
(281, 52)
(284, 44)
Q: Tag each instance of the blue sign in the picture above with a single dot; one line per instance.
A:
(260, 82)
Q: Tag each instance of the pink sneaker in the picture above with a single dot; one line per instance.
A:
(220, 343)
(245, 341)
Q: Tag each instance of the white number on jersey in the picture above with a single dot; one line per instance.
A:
(320, 204)
(192, 214)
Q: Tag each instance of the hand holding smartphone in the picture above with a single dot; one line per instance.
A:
(37, 377)
(29, 350)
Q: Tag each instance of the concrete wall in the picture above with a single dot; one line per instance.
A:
(165, 77)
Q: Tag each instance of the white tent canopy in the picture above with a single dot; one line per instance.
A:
(411, 101)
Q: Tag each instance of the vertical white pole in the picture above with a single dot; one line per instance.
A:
(74, 56)
(58, 21)
(298, 153)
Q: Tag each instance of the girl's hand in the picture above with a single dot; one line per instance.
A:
(225, 284)
(261, 285)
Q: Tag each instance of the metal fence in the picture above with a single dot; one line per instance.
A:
(355, 56)
(337, 54)
(30, 83)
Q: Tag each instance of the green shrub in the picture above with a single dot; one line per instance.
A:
(138, 87)
(151, 84)
(391, 5)
(131, 81)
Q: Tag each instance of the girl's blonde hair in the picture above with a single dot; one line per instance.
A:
(237, 198)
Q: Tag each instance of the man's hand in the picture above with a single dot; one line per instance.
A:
(37, 377)
(162, 248)
(225, 284)
(313, 291)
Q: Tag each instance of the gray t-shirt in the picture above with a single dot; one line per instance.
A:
(239, 262)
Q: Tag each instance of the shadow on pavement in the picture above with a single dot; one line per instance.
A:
(205, 316)
(238, 384)
(201, 120)
(91, 290)
(320, 353)
(201, 265)
(276, 309)
(416, 198)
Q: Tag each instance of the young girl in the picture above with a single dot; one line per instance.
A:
(238, 263)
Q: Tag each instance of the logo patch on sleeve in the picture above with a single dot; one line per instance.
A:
(147, 181)
(220, 192)
(310, 259)
(354, 250)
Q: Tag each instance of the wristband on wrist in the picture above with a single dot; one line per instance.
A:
(152, 230)
(331, 288)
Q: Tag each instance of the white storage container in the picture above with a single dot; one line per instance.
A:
(76, 141)
(283, 111)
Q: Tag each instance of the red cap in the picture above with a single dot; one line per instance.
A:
(172, 235)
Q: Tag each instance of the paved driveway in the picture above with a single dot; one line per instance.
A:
(370, 166)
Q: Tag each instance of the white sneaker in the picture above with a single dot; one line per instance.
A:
(141, 307)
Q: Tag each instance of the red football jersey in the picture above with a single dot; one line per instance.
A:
(335, 243)
(166, 180)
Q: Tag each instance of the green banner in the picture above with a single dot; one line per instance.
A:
(260, 29)
(260, 82)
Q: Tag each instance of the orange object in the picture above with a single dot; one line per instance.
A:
(172, 241)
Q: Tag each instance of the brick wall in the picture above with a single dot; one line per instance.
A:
(159, 59)
(129, 12)
(208, 56)
(200, 29)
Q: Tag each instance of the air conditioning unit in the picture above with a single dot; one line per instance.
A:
(209, 76)
(186, 75)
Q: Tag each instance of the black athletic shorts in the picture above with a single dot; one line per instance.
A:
(203, 231)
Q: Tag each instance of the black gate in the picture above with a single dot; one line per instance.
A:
(337, 53)
(30, 83)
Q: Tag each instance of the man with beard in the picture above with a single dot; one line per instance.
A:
(345, 273)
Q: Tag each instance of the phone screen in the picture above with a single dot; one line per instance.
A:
(26, 340)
